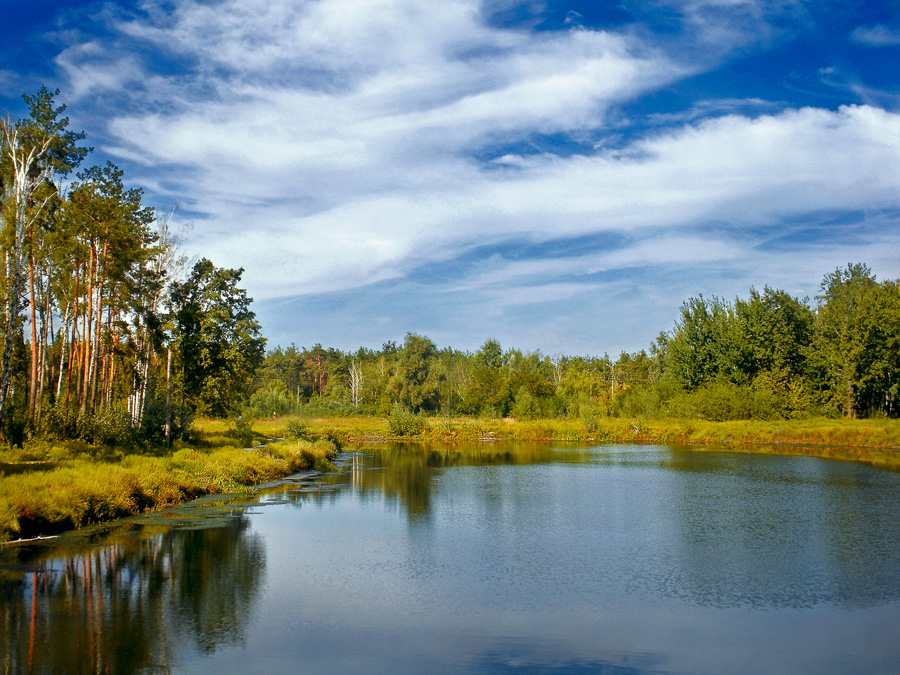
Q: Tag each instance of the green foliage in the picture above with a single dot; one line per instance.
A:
(768, 356)
(774, 330)
(271, 400)
(110, 425)
(415, 384)
(153, 425)
(525, 407)
(645, 400)
(855, 338)
(702, 346)
(404, 422)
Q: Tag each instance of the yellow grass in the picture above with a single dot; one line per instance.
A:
(79, 491)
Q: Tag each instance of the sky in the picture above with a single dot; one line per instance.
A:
(559, 176)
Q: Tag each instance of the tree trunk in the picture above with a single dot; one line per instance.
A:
(33, 384)
(169, 399)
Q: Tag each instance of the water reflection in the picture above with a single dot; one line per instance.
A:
(406, 472)
(133, 604)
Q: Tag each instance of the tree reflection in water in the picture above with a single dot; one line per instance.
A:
(130, 605)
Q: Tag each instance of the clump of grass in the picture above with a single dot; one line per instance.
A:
(302, 456)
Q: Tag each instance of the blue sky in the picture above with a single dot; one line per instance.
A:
(557, 175)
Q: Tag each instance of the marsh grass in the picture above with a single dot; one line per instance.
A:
(83, 490)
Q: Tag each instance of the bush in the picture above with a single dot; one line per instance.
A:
(638, 401)
(153, 426)
(525, 407)
(110, 425)
(404, 422)
(60, 422)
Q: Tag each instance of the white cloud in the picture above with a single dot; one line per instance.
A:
(876, 36)
(734, 170)
(330, 145)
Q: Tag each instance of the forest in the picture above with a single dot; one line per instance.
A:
(112, 335)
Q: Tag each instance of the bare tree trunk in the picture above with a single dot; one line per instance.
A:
(45, 367)
(33, 384)
(355, 382)
(87, 333)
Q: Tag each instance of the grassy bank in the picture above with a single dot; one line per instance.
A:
(78, 484)
(879, 434)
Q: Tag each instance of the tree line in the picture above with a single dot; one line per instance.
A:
(767, 356)
(109, 332)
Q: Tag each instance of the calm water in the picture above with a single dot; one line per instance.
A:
(491, 558)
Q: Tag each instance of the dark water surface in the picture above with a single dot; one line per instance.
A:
(489, 558)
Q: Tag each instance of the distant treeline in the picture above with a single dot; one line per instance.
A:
(768, 356)
(108, 334)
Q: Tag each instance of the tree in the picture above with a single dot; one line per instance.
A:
(217, 339)
(490, 390)
(702, 347)
(415, 385)
(356, 379)
(776, 329)
(880, 385)
(843, 328)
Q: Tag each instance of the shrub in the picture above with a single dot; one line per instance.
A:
(525, 407)
(404, 422)
(153, 426)
(110, 425)
(60, 422)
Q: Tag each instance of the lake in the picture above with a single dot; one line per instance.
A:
(483, 558)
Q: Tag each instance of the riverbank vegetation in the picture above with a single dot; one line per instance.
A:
(877, 433)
